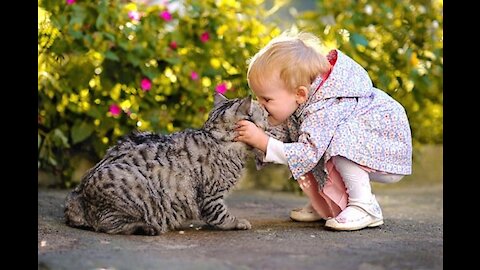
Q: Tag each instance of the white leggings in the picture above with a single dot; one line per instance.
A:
(357, 180)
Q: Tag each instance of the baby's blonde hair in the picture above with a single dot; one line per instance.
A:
(296, 56)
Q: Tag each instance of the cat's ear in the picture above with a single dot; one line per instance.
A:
(245, 105)
(218, 99)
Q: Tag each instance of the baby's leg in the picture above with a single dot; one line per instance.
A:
(362, 209)
(356, 179)
(323, 207)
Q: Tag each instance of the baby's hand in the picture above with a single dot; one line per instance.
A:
(250, 134)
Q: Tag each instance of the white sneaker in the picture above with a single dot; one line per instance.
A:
(305, 214)
(357, 216)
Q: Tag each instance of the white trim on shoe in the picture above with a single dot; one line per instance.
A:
(305, 214)
(373, 217)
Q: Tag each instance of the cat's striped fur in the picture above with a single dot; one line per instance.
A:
(150, 183)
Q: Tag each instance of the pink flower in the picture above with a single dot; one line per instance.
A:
(71, 2)
(173, 45)
(221, 88)
(165, 15)
(194, 75)
(115, 109)
(134, 15)
(204, 37)
(146, 84)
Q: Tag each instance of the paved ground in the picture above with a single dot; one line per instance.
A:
(411, 238)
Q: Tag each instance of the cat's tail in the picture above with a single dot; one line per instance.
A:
(74, 210)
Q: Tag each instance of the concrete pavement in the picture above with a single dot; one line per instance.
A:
(411, 238)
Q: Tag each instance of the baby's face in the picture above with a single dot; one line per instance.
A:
(274, 96)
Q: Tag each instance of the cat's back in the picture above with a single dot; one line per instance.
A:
(134, 146)
(153, 156)
(136, 140)
(174, 141)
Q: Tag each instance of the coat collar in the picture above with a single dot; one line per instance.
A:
(346, 78)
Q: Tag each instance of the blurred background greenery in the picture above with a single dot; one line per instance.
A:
(106, 68)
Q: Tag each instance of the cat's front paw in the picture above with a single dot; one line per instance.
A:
(243, 224)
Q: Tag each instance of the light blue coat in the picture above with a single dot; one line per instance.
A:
(349, 117)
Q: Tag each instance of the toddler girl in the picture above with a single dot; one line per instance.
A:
(334, 129)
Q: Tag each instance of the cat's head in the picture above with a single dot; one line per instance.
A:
(227, 112)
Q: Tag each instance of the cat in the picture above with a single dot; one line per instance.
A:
(150, 184)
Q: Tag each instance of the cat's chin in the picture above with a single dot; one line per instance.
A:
(240, 146)
(249, 147)
(241, 143)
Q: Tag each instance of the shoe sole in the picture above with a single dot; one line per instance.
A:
(375, 224)
(302, 217)
(371, 225)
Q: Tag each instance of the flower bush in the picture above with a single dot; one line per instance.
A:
(106, 68)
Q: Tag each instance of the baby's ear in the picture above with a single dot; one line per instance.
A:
(219, 99)
(301, 95)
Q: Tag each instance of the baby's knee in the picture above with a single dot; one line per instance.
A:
(341, 162)
(386, 178)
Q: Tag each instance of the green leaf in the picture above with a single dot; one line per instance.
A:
(173, 60)
(62, 20)
(149, 71)
(79, 14)
(59, 138)
(124, 45)
(100, 21)
(132, 58)
(106, 124)
(103, 6)
(75, 34)
(112, 56)
(88, 39)
(109, 36)
(52, 160)
(94, 112)
(80, 131)
(358, 39)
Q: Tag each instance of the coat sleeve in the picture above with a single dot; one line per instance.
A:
(316, 133)
(279, 132)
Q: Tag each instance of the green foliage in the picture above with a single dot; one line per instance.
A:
(400, 43)
(103, 72)
(93, 56)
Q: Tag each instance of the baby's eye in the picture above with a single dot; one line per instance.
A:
(267, 99)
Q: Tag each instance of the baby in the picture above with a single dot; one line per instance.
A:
(339, 131)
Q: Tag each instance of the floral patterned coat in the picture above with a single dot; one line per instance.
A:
(349, 117)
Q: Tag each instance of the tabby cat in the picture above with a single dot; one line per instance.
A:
(149, 183)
